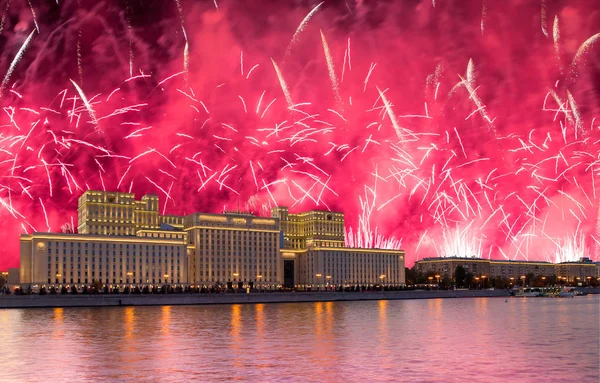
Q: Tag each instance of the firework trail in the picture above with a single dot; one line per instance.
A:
(3, 19)
(330, 69)
(87, 104)
(500, 161)
(14, 62)
(301, 28)
(284, 87)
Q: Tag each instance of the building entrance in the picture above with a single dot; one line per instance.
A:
(288, 273)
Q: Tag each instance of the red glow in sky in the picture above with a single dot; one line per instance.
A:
(440, 127)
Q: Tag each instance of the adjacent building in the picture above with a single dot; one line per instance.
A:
(108, 213)
(150, 257)
(234, 248)
(581, 271)
(314, 253)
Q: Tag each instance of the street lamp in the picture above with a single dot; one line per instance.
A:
(483, 277)
(235, 276)
(129, 275)
(166, 276)
(259, 277)
(58, 277)
(524, 279)
(477, 280)
(438, 277)
(318, 281)
(382, 277)
(328, 277)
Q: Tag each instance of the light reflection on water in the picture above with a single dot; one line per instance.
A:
(452, 340)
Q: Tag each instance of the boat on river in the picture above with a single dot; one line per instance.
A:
(528, 292)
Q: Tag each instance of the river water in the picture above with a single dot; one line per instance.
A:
(438, 340)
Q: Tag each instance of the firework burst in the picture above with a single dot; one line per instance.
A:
(500, 160)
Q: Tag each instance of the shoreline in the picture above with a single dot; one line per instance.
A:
(101, 300)
(53, 301)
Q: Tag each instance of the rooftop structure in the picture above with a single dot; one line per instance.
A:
(110, 213)
(314, 253)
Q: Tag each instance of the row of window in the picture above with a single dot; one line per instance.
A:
(114, 281)
(108, 245)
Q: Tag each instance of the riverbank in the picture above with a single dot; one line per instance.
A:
(36, 301)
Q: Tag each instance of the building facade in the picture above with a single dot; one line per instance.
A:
(568, 271)
(314, 253)
(233, 248)
(151, 257)
(13, 277)
(109, 213)
(123, 241)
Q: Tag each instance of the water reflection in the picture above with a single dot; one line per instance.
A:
(129, 319)
(313, 342)
(59, 321)
(259, 320)
(165, 320)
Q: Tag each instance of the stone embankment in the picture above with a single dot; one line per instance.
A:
(36, 301)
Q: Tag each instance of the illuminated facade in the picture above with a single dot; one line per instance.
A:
(314, 253)
(310, 229)
(121, 241)
(151, 257)
(233, 248)
(568, 271)
(124, 241)
(110, 213)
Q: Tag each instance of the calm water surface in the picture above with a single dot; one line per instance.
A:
(452, 340)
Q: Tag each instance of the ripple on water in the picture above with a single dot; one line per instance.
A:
(417, 341)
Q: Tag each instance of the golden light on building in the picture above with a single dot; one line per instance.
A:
(314, 245)
(505, 270)
(122, 240)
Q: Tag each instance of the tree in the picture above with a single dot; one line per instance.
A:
(2, 282)
(529, 278)
(460, 275)
(410, 276)
(469, 280)
(52, 290)
(43, 291)
(73, 290)
(63, 290)
(85, 290)
(97, 286)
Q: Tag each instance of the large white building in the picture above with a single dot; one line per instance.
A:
(124, 241)
(314, 253)
(151, 257)
(233, 248)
